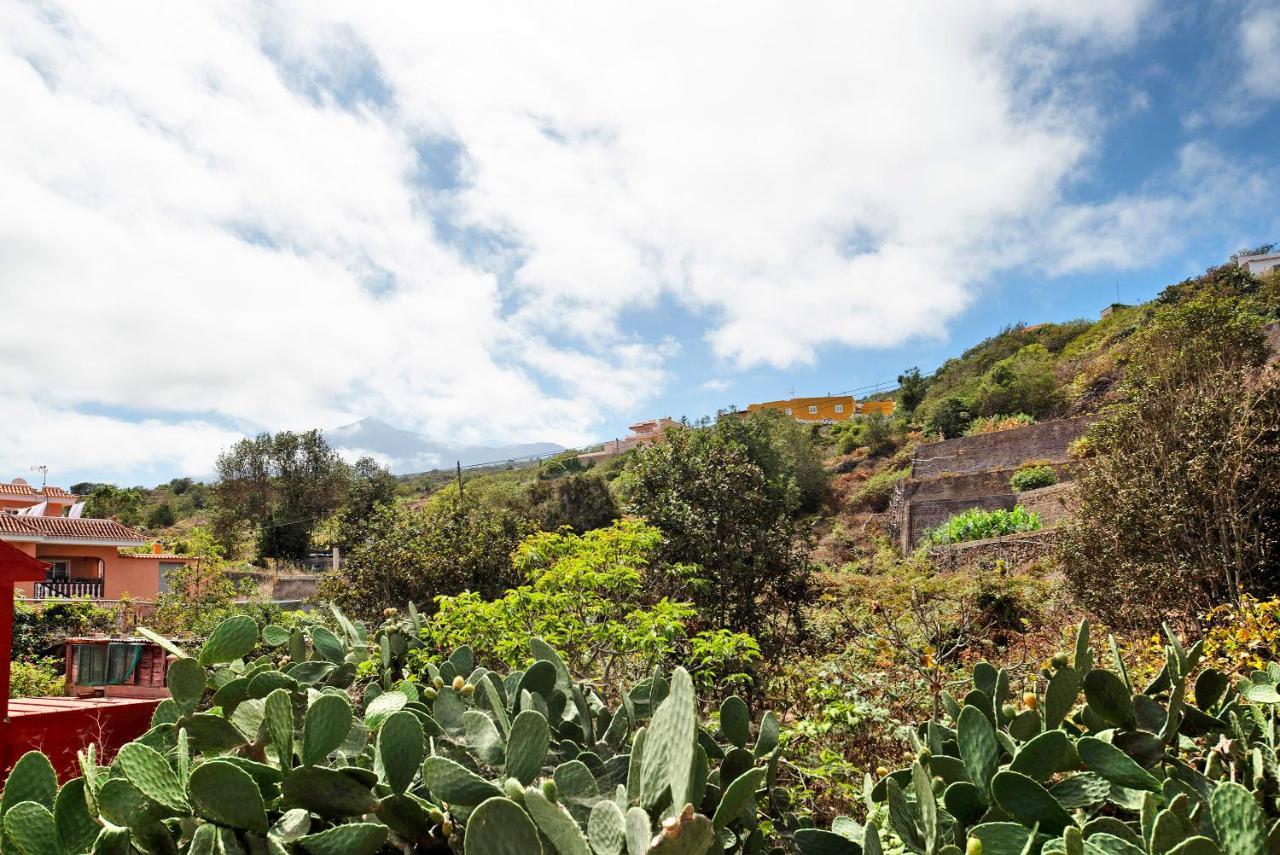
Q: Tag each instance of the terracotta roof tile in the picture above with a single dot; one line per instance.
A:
(88, 529)
(58, 492)
(17, 489)
(161, 556)
(12, 524)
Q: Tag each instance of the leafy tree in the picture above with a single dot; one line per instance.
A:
(1181, 506)
(581, 502)
(1022, 383)
(110, 502)
(785, 452)
(409, 554)
(203, 593)
(282, 485)
(161, 516)
(720, 512)
(911, 389)
(592, 597)
(180, 485)
(950, 419)
(371, 486)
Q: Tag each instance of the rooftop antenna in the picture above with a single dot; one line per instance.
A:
(44, 476)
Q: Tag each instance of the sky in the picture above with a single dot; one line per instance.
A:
(514, 222)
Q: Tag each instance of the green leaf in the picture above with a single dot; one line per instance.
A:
(1060, 696)
(500, 827)
(483, 738)
(670, 743)
(1109, 697)
(556, 823)
(978, 747)
(1239, 821)
(815, 841)
(1028, 802)
(527, 746)
(767, 740)
(226, 794)
(186, 681)
(274, 636)
(1114, 765)
(30, 827)
(157, 638)
(738, 796)
(606, 828)
(1081, 791)
(1048, 754)
(356, 838)
(230, 640)
(31, 780)
(327, 645)
(452, 782)
(735, 720)
(277, 713)
(77, 828)
(151, 774)
(327, 792)
(326, 724)
(401, 745)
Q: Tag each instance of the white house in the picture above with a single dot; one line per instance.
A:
(1267, 262)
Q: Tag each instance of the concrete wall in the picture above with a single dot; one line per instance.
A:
(1007, 449)
(1014, 550)
(1054, 504)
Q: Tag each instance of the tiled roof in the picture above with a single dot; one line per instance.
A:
(12, 524)
(58, 492)
(17, 489)
(67, 527)
(161, 556)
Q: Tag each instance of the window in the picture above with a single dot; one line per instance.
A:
(60, 570)
(839, 408)
(813, 409)
(787, 411)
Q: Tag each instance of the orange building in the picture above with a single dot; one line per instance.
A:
(641, 433)
(829, 408)
(84, 555)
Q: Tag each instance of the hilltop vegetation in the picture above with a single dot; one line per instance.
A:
(748, 559)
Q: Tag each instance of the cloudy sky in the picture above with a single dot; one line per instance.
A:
(498, 222)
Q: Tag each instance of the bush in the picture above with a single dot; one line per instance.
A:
(991, 424)
(597, 597)
(1179, 509)
(1033, 478)
(950, 419)
(1049, 773)
(977, 524)
(456, 759)
(35, 678)
(39, 630)
(877, 490)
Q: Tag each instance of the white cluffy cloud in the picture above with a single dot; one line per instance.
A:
(294, 214)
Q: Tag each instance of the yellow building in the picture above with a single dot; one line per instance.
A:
(830, 408)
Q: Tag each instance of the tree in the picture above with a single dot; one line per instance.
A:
(161, 516)
(371, 486)
(282, 485)
(1181, 507)
(911, 389)
(1022, 383)
(785, 452)
(581, 502)
(110, 502)
(720, 512)
(950, 419)
(408, 554)
(201, 594)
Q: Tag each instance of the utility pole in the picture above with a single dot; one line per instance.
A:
(459, 483)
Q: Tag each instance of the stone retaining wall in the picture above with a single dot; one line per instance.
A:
(1015, 550)
(1006, 449)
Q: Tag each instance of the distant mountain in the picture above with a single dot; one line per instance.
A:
(406, 452)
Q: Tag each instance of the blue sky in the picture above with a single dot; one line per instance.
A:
(504, 224)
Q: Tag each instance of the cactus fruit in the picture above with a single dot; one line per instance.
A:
(973, 846)
(1059, 661)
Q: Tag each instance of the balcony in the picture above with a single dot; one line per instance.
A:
(51, 589)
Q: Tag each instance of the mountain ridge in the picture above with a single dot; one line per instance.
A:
(405, 452)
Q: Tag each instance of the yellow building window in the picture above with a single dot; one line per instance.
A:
(813, 409)
(839, 408)
(787, 411)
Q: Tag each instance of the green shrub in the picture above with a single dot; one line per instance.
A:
(878, 489)
(35, 678)
(1134, 770)
(977, 524)
(991, 424)
(1032, 478)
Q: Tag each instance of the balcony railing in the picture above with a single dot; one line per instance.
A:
(65, 588)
